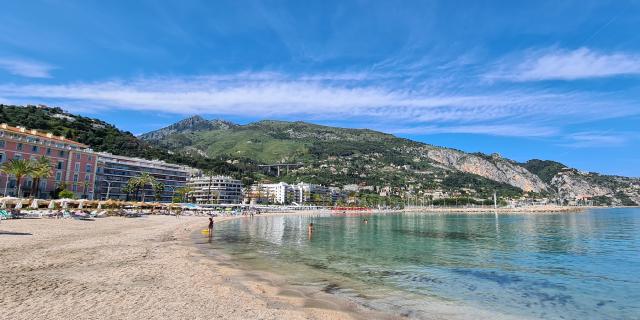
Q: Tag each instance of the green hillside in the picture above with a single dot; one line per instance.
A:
(102, 136)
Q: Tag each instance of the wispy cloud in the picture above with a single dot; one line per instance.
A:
(510, 130)
(26, 68)
(559, 64)
(597, 139)
(349, 96)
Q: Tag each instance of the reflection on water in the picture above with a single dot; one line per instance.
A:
(570, 266)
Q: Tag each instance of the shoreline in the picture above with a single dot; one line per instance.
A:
(130, 268)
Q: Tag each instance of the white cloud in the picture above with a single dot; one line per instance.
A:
(596, 139)
(510, 130)
(26, 68)
(349, 97)
(556, 64)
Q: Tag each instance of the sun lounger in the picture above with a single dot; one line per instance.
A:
(4, 214)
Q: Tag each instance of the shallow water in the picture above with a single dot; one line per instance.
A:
(552, 266)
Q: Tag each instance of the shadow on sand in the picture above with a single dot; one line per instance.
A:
(9, 233)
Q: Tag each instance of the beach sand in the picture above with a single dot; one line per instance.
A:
(134, 268)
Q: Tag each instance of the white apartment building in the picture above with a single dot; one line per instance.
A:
(307, 193)
(277, 193)
(215, 190)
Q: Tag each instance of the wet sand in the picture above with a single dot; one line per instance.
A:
(133, 268)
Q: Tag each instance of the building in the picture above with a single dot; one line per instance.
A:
(270, 193)
(307, 193)
(215, 190)
(114, 172)
(73, 163)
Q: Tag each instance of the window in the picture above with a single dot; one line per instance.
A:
(75, 177)
(1, 143)
(88, 168)
(76, 167)
(61, 153)
(60, 165)
(17, 156)
(2, 158)
(58, 176)
(89, 158)
(78, 156)
(34, 149)
(74, 188)
(87, 177)
(48, 151)
(19, 147)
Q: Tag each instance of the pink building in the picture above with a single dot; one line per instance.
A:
(72, 163)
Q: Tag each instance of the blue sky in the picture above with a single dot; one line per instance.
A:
(554, 80)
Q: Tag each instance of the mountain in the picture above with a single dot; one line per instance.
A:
(341, 156)
(333, 157)
(102, 136)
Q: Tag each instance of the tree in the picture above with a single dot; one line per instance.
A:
(209, 173)
(19, 169)
(158, 189)
(66, 194)
(183, 193)
(138, 183)
(41, 170)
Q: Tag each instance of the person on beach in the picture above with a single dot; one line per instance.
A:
(210, 226)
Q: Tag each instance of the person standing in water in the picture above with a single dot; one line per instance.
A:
(210, 226)
(310, 230)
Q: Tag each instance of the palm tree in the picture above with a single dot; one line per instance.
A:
(19, 169)
(141, 181)
(209, 173)
(42, 170)
(158, 189)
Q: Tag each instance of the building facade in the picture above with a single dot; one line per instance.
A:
(114, 172)
(270, 193)
(307, 193)
(215, 190)
(73, 164)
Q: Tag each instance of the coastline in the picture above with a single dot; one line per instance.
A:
(501, 210)
(129, 268)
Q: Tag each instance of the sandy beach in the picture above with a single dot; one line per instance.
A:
(124, 268)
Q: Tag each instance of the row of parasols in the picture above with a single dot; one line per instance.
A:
(17, 203)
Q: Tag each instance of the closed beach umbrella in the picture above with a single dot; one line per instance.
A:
(99, 205)
(52, 204)
(19, 205)
(4, 205)
(80, 204)
(64, 204)
(34, 204)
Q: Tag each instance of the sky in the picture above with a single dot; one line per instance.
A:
(556, 80)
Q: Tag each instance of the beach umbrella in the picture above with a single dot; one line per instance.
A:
(80, 204)
(99, 205)
(34, 204)
(64, 204)
(19, 205)
(4, 205)
(52, 204)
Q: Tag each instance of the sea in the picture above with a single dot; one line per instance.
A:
(582, 265)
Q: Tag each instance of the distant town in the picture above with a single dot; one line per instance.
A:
(76, 171)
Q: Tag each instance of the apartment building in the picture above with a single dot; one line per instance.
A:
(114, 172)
(215, 190)
(73, 163)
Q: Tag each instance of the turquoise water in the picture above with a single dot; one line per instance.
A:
(555, 266)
